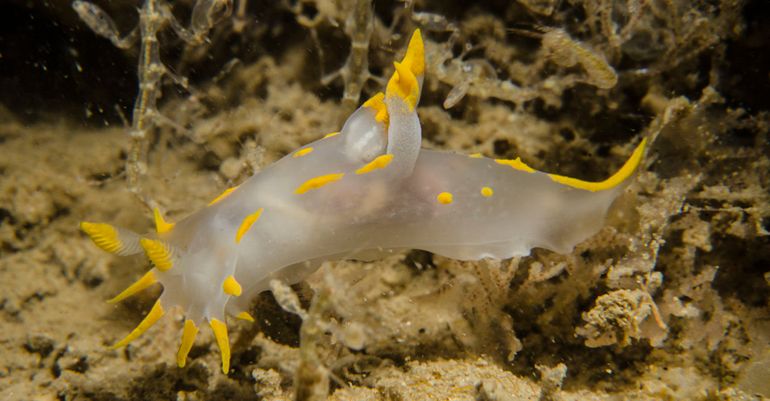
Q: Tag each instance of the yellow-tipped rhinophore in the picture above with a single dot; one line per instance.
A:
(232, 287)
(245, 316)
(220, 333)
(415, 54)
(155, 314)
(404, 82)
(188, 338)
(246, 224)
(377, 102)
(158, 253)
(161, 225)
(147, 280)
(103, 235)
(618, 178)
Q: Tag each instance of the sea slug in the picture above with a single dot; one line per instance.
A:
(365, 191)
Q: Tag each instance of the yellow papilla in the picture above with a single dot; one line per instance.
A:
(147, 280)
(161, 225)
(618, 178)
(220, 333)
(155, 314)
(188, 338)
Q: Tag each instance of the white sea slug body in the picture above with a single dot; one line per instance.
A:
(367, 190)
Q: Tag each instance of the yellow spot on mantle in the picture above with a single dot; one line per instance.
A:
(302, 152)
(487, 192)
(444, 198)
(223, 195)
(232, 287)
(379, 162)
(619, 177)
(157, 252)
(476, 156)
(515, 163)
(246, 224)
(318, 182)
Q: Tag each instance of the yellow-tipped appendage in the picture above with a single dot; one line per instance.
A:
(403, 83)
(220, 333)
(188, 338)
(161, 225)
(103, 235)
(515, 163)
(155, 314)
(379, 162)
(147, 280)
(245, 316)
(246, 224)
(618, 178)
(158, 253)
(232, 287)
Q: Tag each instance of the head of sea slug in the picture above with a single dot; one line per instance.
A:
(186, 277)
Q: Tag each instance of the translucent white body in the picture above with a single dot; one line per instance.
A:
(387, 209)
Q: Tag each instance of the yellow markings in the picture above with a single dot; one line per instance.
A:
(415, 54)
(619, 177)
(376, 164)
(331, 135)
(161, 225)
(487, 192)
(318, 182)
(246, 224)
(188, 338)
(403, 84)
(515, 163)
(147, 280)
(223, 195)
(245, 316)
(302, 152)
(155, 314)
(377, 102)
(103, 235)
(476, 156)
(445, 198)
(231, 287)
(220, 333)
(158, 253)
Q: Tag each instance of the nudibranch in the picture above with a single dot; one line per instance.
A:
(359, 193)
